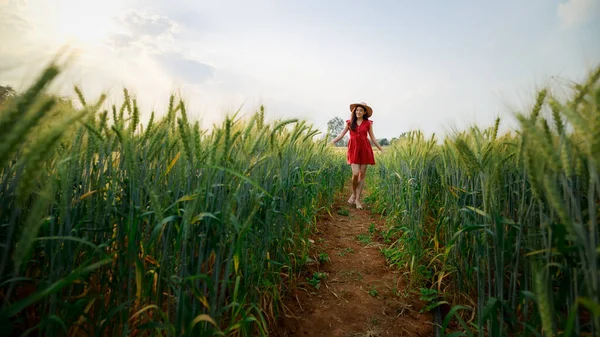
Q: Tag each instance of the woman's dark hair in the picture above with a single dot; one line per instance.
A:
(353, 123)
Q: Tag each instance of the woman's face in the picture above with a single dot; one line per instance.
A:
(360, 112)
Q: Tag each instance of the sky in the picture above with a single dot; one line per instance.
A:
(431, 65)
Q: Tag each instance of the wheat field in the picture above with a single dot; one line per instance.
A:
(111, 226)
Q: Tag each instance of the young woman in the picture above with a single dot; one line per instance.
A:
(360, 153)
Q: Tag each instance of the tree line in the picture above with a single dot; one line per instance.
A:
(336, 125)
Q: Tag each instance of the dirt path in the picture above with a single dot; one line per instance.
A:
(361, 295)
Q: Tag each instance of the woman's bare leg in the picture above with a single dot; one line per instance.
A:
(355, 181)
(360, 185)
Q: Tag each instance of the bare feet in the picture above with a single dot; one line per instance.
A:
(352, 199)
(358, 205)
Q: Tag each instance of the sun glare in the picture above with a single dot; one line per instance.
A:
(85, 22)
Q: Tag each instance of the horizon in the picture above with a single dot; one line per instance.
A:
(428, 67)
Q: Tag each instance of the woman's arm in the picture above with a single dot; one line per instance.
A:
(341, 135)
(373, 138)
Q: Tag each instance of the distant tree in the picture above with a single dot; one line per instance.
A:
(384, 142)
(400, 137)
(62, 108)
(6, 92)
(335, 127)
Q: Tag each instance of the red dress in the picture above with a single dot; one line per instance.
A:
(359, 147)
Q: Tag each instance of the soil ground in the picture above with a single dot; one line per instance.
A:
(361, 295)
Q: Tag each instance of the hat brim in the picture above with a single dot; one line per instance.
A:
(369, 109)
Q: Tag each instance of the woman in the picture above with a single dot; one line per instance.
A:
(360, 153)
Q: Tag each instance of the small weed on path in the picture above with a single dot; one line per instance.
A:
(364, 238)
(323, 258)
(343, 212)
(345, 251)
(373, 291)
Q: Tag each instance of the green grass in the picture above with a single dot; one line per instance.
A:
(345, 251)
(373, 291)
(111, 227)
(323, 258)
(364, 238)
(505, 225)
(315, 280)
(351, 274)
(343, 211)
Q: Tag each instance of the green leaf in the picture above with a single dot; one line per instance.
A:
(591, 305)
(203, 215)
(159, 227)
(453, 311)
(55, 287)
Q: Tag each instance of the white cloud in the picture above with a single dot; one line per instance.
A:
(144, 23)
(141, 29)
(576, 12)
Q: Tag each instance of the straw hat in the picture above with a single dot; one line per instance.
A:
(363, 104)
